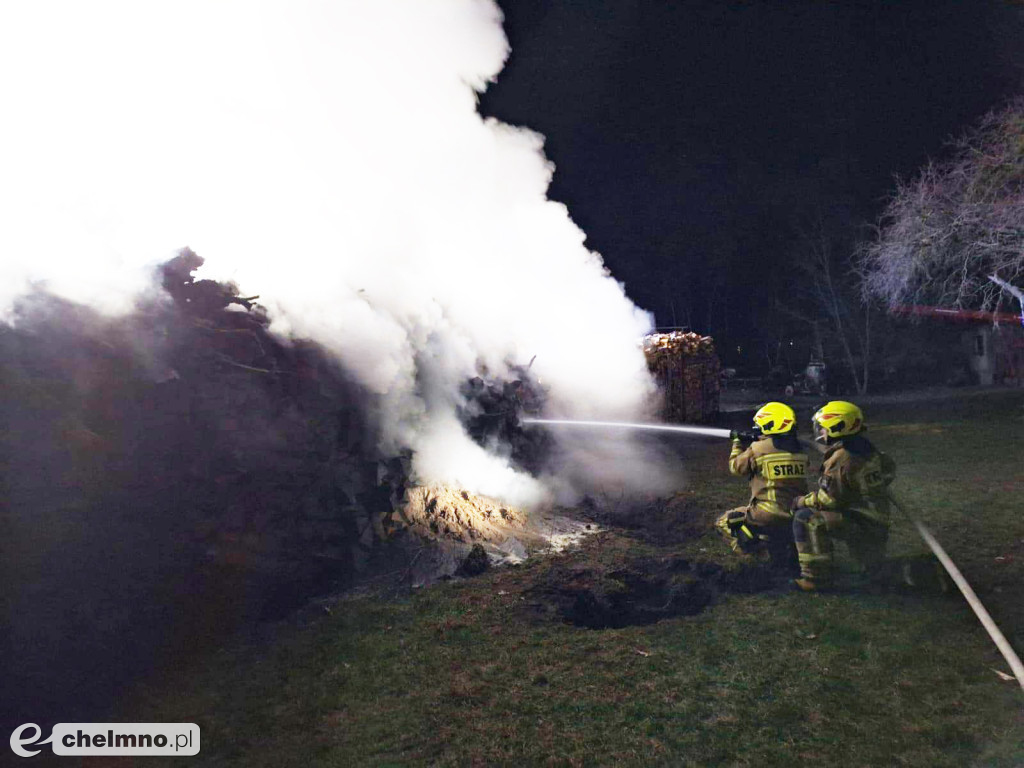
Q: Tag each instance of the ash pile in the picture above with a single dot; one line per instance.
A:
(455, 533)
(688, 373)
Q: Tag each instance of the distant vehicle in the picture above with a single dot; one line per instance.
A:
(812, 381)
(732, 381)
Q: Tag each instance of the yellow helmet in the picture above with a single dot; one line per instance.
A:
(775, 419)
(837, 419)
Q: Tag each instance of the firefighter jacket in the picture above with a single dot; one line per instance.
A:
(777, 471)
(855, 478)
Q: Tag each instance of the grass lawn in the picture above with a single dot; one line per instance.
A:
(471, 673)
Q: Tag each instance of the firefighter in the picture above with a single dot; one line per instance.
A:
(772, 460)
(851, 502)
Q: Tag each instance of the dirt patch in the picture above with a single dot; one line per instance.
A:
(642, 591)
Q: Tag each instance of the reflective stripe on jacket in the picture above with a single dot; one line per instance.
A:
(777, 475)
(855, 477)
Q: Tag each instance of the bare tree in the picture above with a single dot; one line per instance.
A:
(955, 234)
(828, 298)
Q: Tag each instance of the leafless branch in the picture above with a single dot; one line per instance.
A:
(946, 232)
(1011, 289)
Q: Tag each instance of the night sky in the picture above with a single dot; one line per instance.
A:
(690, 137)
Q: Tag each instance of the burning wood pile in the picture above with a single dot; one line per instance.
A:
(491, 413)
(175, 473)
(181, 471)
(687, 371)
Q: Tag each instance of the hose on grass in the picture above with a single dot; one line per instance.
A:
(972, 599)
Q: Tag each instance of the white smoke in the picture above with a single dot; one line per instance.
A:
(328, 156)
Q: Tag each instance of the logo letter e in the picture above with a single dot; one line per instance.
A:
(17, 742)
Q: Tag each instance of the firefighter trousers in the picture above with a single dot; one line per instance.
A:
(814, 531)
(752, 529)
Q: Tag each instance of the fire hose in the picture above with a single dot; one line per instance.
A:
(969, 595)
(958, 578)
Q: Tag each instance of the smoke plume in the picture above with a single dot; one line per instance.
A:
(328, 156)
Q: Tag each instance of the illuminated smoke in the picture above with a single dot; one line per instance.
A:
(329, 157)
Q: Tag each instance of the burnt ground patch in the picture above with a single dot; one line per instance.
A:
(612, 590)
(658, 522)
(639, 591)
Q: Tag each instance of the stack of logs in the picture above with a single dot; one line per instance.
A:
(687, 371)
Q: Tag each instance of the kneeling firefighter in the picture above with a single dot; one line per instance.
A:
(771, 458)
(851, 502)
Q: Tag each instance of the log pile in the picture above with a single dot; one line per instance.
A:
(687, 371)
